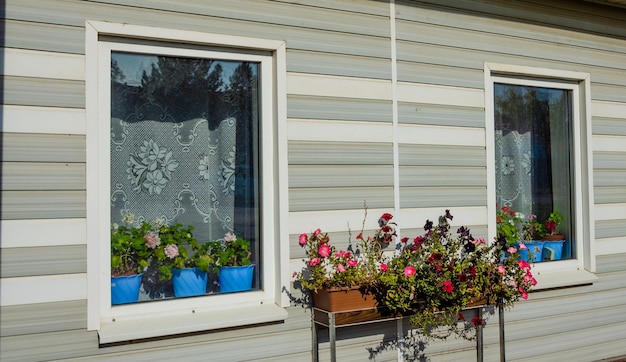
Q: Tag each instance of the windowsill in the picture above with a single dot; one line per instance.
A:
(547, 279)
(158, 326)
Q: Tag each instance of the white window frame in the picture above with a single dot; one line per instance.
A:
(168, 317)
(578, 270)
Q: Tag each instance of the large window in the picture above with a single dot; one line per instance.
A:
(185, 128)
(539, 163)
(185, 149)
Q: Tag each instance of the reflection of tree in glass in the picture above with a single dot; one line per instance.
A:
(186, 88)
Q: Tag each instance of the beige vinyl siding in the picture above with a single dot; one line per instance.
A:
(340, 154)
(51, 260)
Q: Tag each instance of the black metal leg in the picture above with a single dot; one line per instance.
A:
(501, 327)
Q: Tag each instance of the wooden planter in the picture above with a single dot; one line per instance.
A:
(343, 299)
(555, 237)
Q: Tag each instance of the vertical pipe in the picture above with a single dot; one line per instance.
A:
(501, 327)
(479, 337)
(315, 351)
(332, 336)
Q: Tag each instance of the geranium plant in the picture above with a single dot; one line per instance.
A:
(132, 246)
(234, 251)
(553, 222)
(179, 249)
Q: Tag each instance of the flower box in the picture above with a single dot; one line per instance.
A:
(343, 299)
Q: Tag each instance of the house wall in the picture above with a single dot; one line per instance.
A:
(369, 85)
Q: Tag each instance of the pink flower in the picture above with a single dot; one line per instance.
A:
(360, 236)
(152, 240)
(314, 261)
(171, 251)
(448, 287)
(303, 239)
(317, 232)
(479, 241)
(409, 271)
(522, 246)
(383, 267)
(324, 251)
(501, 269)
(511, 250)
(523, 264)
(524, 294)
(341, 268)
(352, 262)
(230, 237)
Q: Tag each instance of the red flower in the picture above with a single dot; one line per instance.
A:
(352, 262)
(448, 287)
(360, 236)
(477, 321)
(383, 267)
(419, 240)
(386, 216)
(404, 240)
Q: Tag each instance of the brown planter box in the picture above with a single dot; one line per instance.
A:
(343, 299)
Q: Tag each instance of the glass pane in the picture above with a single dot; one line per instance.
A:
(533, 157)
(185, 149)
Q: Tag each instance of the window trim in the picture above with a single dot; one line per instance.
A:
(564, 272)
(117, 323)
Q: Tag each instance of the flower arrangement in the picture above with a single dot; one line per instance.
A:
(178, 248)
(431, 277)
(326, 267)
(132, 247)
(235, 251)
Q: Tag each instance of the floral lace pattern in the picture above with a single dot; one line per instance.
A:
(151, 169)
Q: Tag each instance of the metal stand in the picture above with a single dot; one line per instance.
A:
(334, 320)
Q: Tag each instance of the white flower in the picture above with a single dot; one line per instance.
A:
(128, 218)
(230, 237)
(171, 251)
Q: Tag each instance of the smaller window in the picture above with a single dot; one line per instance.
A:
(538, 129)
(533, 161)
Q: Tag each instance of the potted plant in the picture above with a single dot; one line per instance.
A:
(553, 240)
(132, 248)
(341, 279)
(184, 260)
(235, 267)
(513, 229)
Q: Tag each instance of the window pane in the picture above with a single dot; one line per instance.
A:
(534, 154)
(185, 148)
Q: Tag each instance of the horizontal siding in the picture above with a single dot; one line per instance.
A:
(338, 65)
(22, 147)
(42, 318)
(439, 115)
(609, 195)
(49, 120)
(339, 153)
(294, 334)
(611, 263)
(445, 197)
(609, 160)
(18, 262)
(37, 176)
(42, 232)
(609, 178)
(339, 198)
(43, 204)
(441, 155)
(609, 126)
(442, 176)
(72, 16)
(340, 176)
(610, 228)
(350, 109)
(43, 92)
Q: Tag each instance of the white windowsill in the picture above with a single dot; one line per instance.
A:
(563, 278)
(156, 326)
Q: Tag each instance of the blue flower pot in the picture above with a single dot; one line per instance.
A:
(235, 278)
(553, 250)
(125, 289)
(189, 282)
(536, 247)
